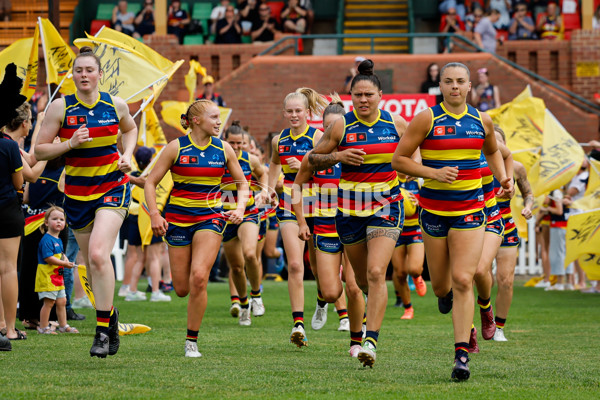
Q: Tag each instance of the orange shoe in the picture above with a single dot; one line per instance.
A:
(409, 313)
(420, 285)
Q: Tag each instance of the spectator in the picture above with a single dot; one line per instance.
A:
(310, 13)
(596, 19)
(457, 5)
(353, 72)
(177, 20)
(504, 6)
(122, 20)
(209, 94)
(218, 13)
(432, 83)
(293, 17)
(451, 23)
(248, 10)
(550, 24)
(485, 96)
(228, 29)
(521, 25)
(473, 18)
(265, 28)
(5, 10)
(485, 33)
(144, 21)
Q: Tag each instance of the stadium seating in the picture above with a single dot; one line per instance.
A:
(104, 11)
(193, 39)
(97, 24)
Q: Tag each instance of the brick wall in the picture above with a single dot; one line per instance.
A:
(585, 48)
(256, 90)
(550, 59)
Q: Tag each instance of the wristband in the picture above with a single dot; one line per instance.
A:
(69, 144)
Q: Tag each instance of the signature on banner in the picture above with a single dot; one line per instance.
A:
(61, 57)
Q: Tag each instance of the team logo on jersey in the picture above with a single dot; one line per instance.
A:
(512, 239)
(356, 137)
(328, 171)
(91, 113)
(188, 160)
(458, 123)
(110, 199)
(444, 130)
(218, 222)
(76, 120)
(284, 149)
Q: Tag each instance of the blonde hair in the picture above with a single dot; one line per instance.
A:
(335, 106)
(47, 214)
(312, 100)
(197, 108)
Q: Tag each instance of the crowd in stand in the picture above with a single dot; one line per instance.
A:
(491, 21)
(256, 20)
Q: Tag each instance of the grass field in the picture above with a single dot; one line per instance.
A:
(553, 353)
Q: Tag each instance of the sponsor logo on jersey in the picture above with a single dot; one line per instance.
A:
(188, 160)
(356, 137)
(76, 120)
(284, 149)
(444, 130)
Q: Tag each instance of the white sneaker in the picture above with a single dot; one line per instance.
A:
(364, 330)
(558, 286)
(191, 349)
(543, 284)
(499, 335)
(354, 350)
(135, 296)
(258, 308)
(344, 325)
(159, 296)
(123, 290)
(298, 336)
(319, 317)
(83, 302)
(569, 286)
(245, 316)
(367, 354)
(234, 310)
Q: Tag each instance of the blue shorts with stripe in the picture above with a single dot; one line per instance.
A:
(497, 226)
(231, 230)
(438, 226)
(511, 239)
(262, 230)
(273, 223)
(410, 235)
(133, 232)
(179, 236)
(81, 214)
(328, 244)
(353, 229)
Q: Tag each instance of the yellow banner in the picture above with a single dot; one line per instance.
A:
(20, 53)
(172, 110)
(126, 73)
(153, 132)
(59, 57)
(163, 190)
(583, 235)
(191, 78)
(126, 41)
(30, 81)
(561, 158)
(590, 263)
(591, 198)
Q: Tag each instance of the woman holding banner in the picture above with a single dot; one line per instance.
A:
(195, 220)
(451, 136)
(96, 187)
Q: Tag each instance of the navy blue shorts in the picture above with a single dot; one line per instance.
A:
(328, 244)
(81, 214)
(511, 239)
(410, 235)
(497, 226)
(438, 226)
(179, 236)
(231, 230)
(262, 230)
(353, 230)
(133, 232)
(273, 223)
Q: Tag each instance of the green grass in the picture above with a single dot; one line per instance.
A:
(553, 353)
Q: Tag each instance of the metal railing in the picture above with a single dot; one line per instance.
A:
(463, 42)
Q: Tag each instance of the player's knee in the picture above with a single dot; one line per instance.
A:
(462, 282)
(198, 280)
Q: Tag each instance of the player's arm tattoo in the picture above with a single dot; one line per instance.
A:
(524, 187)
(383, 232)
(319, 162)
